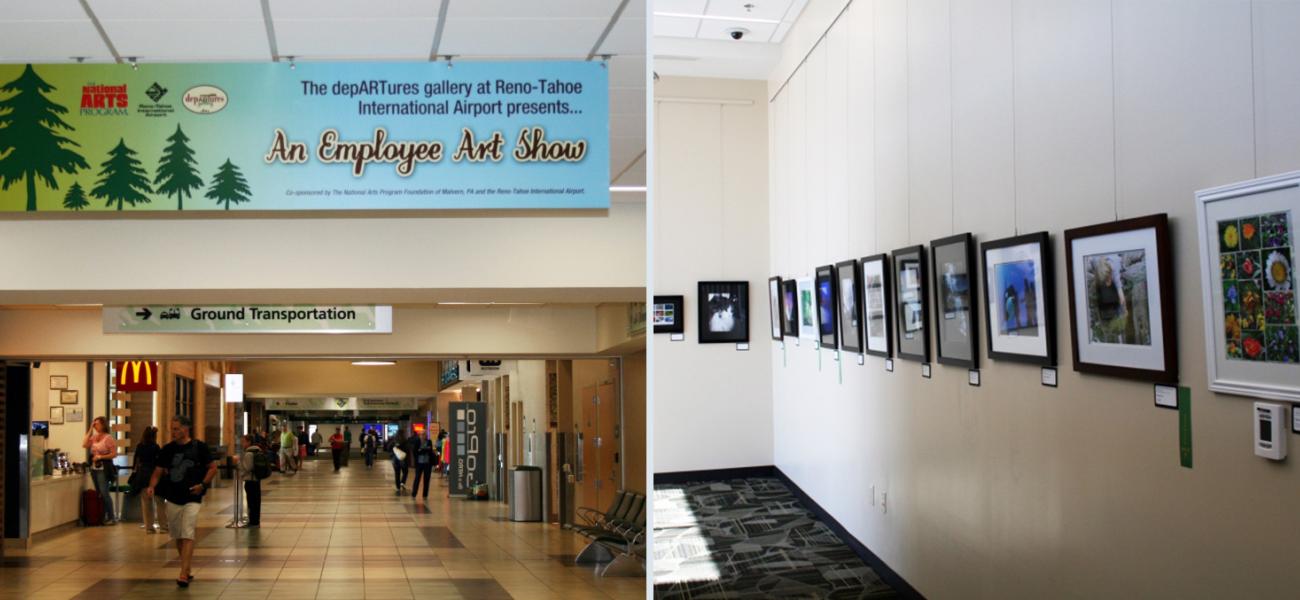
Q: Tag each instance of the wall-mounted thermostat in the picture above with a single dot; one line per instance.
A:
(1270, 437)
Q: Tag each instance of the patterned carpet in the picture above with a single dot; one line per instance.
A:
(750, 538)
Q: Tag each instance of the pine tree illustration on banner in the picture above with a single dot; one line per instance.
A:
(29, 145)
(228, 186)
(176, 175)
(75, 199)
(122, 179)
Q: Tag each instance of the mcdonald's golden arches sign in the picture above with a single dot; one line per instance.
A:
(136, 375)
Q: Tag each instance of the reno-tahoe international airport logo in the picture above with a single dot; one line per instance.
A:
(98, 100)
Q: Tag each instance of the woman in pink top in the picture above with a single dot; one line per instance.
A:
(102, 451)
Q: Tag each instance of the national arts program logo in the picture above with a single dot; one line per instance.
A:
(104, 100)
(205, 99)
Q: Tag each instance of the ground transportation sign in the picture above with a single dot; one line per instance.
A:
(251, 318)
(168, 138)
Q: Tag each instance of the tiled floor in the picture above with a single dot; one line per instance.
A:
(345, 536)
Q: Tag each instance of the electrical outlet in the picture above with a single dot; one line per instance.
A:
(873, 495)
(884, 502)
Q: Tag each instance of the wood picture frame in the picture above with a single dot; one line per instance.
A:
(56, 415)
(849, 299)
(668, 314)
(723, 312)
(911, 304)
(1121, 297)
(1020, 299)
(827, 295)
(58, 382)
(877, 305)
(956, 301)
(68, 397)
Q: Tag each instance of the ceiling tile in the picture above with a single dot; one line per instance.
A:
(175, 10)
(190, 40)
(627, 71)
(711, 29)
(532, 9)
(772, 10)
(676, 27)
(521, 37)
(49, 41)
(627, 37)
(45, 10)
(351, 9)
(356, 39)
(689, 7)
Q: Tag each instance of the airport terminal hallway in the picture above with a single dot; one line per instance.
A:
(325, 536)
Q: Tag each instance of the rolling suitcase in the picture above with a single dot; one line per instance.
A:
(92, 508)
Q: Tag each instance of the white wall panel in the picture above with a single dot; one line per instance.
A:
(1006, 116)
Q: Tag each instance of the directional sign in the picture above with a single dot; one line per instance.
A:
(252, 318)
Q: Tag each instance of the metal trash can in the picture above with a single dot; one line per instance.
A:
(526, 494)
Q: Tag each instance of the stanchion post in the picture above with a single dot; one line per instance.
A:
(237, 522)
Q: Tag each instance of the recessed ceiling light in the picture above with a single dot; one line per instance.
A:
(372, 363)
(717, 18)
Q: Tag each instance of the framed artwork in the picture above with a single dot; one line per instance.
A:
(58, 382)
(1120, 279)
(807, 310)
(775, 311)
(827, 330)
(850, 302)
(668, 315)
(1248, 253)
(876, 302)
(1019, 299)
(56, 415)
(956, 321)
(910, 304)
(789, 308)
(77, 414)
(724, 312)
(68, 397)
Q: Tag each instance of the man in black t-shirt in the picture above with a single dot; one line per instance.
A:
(185, 469)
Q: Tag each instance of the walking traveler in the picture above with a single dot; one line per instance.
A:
(302, 445)
(336, 448)
(347, 445)
(396, 447)
(368, 446)
(186, 468)
(152, 510)
(288, 449)
(316, 441)
(102, 471)
(424, 458)
(254, 466)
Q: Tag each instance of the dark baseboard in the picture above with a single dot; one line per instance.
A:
(900, 585)
(715, 474)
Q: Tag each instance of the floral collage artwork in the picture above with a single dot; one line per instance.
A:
(1259, 289)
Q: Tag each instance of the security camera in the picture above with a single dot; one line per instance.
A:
(737, 33)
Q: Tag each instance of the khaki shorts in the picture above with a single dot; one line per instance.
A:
(182, 519)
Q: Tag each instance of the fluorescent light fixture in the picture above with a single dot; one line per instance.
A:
(627, 188)
(373, 363)
(717, 18)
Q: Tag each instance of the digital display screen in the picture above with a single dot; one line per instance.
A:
(1265, 430)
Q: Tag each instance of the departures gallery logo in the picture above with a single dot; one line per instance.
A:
(104, 100)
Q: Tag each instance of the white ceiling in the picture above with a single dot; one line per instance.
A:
(52, 31)
(693, 37)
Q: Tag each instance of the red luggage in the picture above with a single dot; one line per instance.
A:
(92, 508)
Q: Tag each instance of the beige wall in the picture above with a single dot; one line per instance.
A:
(68, 436)
(353, 260)
(270, 379)
(916, 120)
(484, 331)
(710, 225)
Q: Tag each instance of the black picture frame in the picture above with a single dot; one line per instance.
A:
(1038, 248)
(722, 303)
(826, 296)
(1158, 227)
(886, 304)
(790, 308)
(911, 304)
(776, 307)
(850, 317)
(677, 305)
(956, 301)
